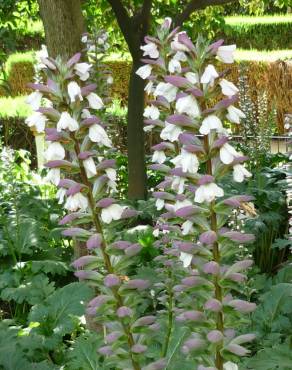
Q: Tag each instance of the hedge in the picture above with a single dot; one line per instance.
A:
(274, 78)
(262, 33)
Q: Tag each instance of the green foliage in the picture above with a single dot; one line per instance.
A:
(58, 314)
(12, 352)
(33, 260)
(272, 321)
(270, 224)
(83, 354)
(261, 33)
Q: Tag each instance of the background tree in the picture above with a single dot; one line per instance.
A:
(135, 19)
(64, 24)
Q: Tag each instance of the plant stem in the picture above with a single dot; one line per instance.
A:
(106, 258)
(216, 258)
(170, 318)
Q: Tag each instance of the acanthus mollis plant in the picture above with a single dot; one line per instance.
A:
(189, 102)
(79, 160)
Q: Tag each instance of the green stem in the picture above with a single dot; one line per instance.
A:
(106, 258)
(170, 318)
(216, 258)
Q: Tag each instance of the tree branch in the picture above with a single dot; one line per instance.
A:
(124, 21)
(196, 5)
(145, 16)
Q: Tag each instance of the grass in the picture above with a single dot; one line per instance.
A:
(14, 107)
(267, 19)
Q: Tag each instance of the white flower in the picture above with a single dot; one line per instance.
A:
(159, 204)
(192, 77)
(151, 50)
(76, 202)
(170, 132)
(159, 156)
(228, 88)
(82, 70)
(112, 212)
(85, 113)
(186, 259)
(187, 161)
(211, 122)
(151, 112)
(144, 71)
(208, 192)
(84, 39)
(89, 167)
(110, 80)
(225, 53)
(181, 204)
(240, 172)
(55, 151)
(74, 91)
(230, 366)
(209, 75)
(228, 153)
(94, 101)
(40, 55)
(34, 100)
(61, 193)
(178, 184)
(187, 228)
(234, 114)
(180, 56)
(43, 53)
(148, 128)
(67, 122)
(98, 135)
(174, 66)
(167, 90)
(188, 104)
(176, 45)
(53, 176)
(37, 120)
(111, 174)
(149, 87)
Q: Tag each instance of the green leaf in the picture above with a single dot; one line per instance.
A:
(277, 358)
(83, 355)
(59, 313)
(281, 244)
(274, 303)
(49, 266)
(33, 290)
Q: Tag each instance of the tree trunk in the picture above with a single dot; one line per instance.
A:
(136, 147)
(64, 25)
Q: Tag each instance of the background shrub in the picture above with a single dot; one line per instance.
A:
(262, 33)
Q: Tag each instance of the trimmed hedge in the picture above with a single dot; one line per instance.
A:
(274, 78)
(262, 33)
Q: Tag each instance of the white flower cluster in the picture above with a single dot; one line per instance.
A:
(184, 90)
(67, 125)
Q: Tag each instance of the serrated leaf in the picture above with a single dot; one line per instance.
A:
(49, 266)
(83, 355)
(33, 290)
(277, 358)
(59, 312)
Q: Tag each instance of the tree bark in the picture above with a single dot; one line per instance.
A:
(64, 24)
(136, 144)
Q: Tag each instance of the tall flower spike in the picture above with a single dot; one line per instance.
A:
(75, 133)
(200, 164)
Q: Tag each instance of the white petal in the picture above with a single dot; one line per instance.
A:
(228, 88)
(89, 166)
(186, 258)
(94, 101)
(144, 71)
